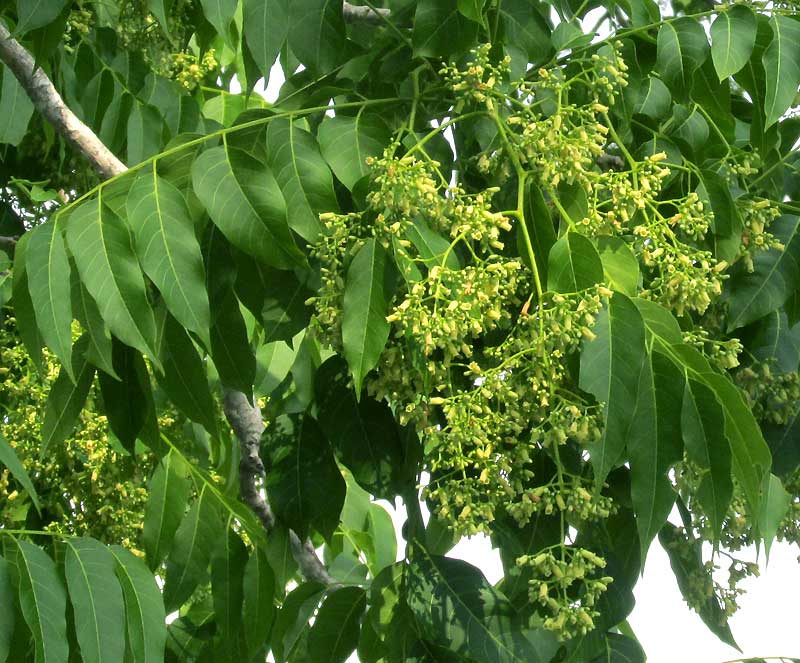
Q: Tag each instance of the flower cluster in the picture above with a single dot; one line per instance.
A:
(189, 69)
(567, 585)
(480, 77)
(757, 217)
(773, 396)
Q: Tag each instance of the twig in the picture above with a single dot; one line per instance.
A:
(245, 419)
(364, 14)
(9, 242)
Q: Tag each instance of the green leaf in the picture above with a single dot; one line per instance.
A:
(775, 503)
(96, 598)
(99, 349)
(66, 398)
(184, 379)
(367, 295)
(681, 48)
(145, 132)
(160, 9)
(292, 620)
(43, 602)
(102, 247)
(7, 616)
(128, 401)
(620, 266)
(23, 306)
(317, 33)
(733, 35)
(346, 143)
(168, 494)
(688, 128)
(16, 109)
(227, 586)
(334, 635)
(458, 608)
(187, 565)
(245, 203)
(782, 68)
(573, 264)
(230, 348)
(304, 177)
(259, 594)
(363, 432)
(775, 342)
(304, 485)
(525, 28)
(775, 275)
(655, 445)
(440, 29)
(32, 14)
(431, 246)
(654, 99)
(9, 458)
(168, 250)
(567, 35)
(220, 14)
(610, 368)
(541, 230)
(144, 608)
(704, 436)
(266, 26)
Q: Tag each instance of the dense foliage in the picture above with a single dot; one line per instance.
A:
(536, 265)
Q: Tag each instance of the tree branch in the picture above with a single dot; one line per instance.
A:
(246, 420)
(364, 14)
(49, 103)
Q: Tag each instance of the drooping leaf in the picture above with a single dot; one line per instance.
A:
(220, 14)
(259, 594)
(654, 445)
(733, 35)
(526, 29)
(366, 302)
(99, 350)
(347, 141)
(9, 458)
(317, 33)
(128, 401)
(102, 247)
(620, 266)
(43, 602)
(304, 485)
(195, 538)
(654, 99)
(304, 178)
(266, 26)
(682, 48)
(704, 436)
(227, 587)
(96, 598)
(782, 444)
(16, 110)
(573, 264)
(334, 635)
(610, 369)
(66, 399)
(184, 379)
(48, 273)
(230, 347)
(440, 29)
(775, 275)
(166, 502)
(782, 68)
(7, 616)
(168, 249)
(32, 14)
(775, 503)
(292, 619)
(245, 202)
(144, 608)
(458, 608)
(23, 306)
(363, 433)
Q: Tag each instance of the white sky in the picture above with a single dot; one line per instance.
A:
(767, 624)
